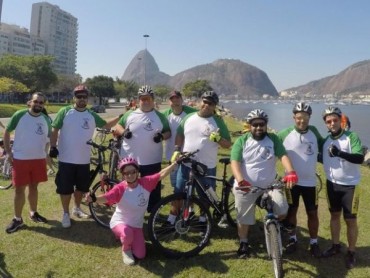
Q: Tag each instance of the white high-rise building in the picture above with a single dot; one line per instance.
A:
(58, 29)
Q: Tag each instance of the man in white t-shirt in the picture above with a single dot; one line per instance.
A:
(75, 125)
(32, 130)
(143, 131)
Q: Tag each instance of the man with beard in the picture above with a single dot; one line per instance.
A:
(75, 125)
(253, 162)
(143, 131)
(32, 130)
(301, 142)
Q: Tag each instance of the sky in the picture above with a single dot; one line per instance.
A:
(292, 41)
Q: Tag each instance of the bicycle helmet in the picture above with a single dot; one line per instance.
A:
(211, 95)
(257, 114)
(127, 161)
(302, 107)
(331, 110)
(80, 89)
(146, 91)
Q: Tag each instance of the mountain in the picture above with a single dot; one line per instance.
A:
(354, 79)
(226, 76)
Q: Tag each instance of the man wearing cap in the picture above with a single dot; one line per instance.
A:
(75, 125)
(175, 114)
(143, 131)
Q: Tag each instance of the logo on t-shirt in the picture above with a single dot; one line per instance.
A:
(141, 202)
(85, 124)
(39, 129)
(309, 149)
(266, 153)
(148, 126)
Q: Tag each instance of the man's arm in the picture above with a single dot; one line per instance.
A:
(54, 137)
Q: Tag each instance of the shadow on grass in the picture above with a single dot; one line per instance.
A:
(81, 231)
(3, 272)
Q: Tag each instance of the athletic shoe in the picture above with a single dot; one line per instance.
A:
(128, 258)
(333, 250)
(243, 251)
(315, 250)
(14, 226)
(350, 259)
(66, 221)
(36, 217)
(80, 214)
(291, 247)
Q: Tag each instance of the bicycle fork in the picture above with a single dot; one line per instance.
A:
(275, 225)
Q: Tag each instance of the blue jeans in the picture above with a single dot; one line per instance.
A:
(183, 176)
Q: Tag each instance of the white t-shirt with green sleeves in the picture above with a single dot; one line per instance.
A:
(31, 135)
(144, 126)
(302, 149)
(258, 158)
(76, 128)
(196, 131)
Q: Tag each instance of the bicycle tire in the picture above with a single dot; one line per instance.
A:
(318, 183)
(229, 205)
(275, 249)
(102, 213)
(6, 178)
(185, 238)
(113, 162)
(99, 137)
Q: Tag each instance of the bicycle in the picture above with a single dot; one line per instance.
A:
(101, 213)
(99, 139)
(188, 236)
(271, 226)
(5, 168)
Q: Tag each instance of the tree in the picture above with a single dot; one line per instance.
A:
(33, 71)
(10, 85)
(196, 89)
(126, 89)
(101, 86)
(162, 91)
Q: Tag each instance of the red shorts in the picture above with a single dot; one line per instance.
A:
(29, 171)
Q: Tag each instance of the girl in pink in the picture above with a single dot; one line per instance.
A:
(131, 197)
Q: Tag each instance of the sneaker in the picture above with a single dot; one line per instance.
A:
(14, 226)
(350, 259)
(333, 250)
(291, 247)
(36, 217)
(243, 251)
(315, 250)
(128, 258)
(80, 214)
(66, 221)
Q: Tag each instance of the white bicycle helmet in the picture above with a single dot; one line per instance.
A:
(302, 107)
(331, 110)
(212, 96)
(146, 91)
(257, 114)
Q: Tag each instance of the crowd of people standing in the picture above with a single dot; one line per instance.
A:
(148, 135)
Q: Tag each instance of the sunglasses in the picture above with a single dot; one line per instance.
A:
(81, 97)
(128, 173)
(261, 124)
(38, 102)
(328, 122)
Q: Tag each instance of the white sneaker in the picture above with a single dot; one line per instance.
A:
(128, 258)
(66, 221)
(79, 213)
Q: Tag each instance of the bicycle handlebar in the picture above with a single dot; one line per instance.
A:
(104, 130)
(97, 146)
(276, 184)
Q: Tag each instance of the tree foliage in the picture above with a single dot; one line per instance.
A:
(126, 89)
(101, 86)
(196, 88)
(10, 85)
(35, 72)
(162, 91)
(66, 83)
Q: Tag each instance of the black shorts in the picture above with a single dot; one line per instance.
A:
(309, 196)
(343, 197)
(72, 176)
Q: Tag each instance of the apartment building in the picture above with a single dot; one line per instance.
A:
(58, 29)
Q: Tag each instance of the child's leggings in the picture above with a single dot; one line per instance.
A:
(131, 239)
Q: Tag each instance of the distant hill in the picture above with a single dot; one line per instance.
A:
(226, 76)
(354, 79)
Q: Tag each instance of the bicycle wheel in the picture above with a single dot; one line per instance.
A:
(102, 213)
(184, 238)
(275, 252)
(229, 205)
(99, 137)
(318, 183)
(113, 162)
(6, 176)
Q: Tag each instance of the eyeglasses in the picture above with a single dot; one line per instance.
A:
(38, 102)
(208, 102)
(328, 122)
(128, 173)
(81, 97)
(261, 124)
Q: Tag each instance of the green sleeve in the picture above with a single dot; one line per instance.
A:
(15, 119)
(188, 109)
(48, 121)
(123, 119)
(278, 145)
(237, 148)
(99, 122)
(167, 112)
(165, 123)
(284, 133)
(320, 139)
(180, 128)
(58, 121)
(224, 132)
(356, 145)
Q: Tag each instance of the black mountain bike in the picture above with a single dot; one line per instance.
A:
(192, 228)
(101, 213)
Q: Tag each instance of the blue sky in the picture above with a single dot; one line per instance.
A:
(293, 41)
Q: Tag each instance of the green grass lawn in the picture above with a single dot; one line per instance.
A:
(87, 250)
